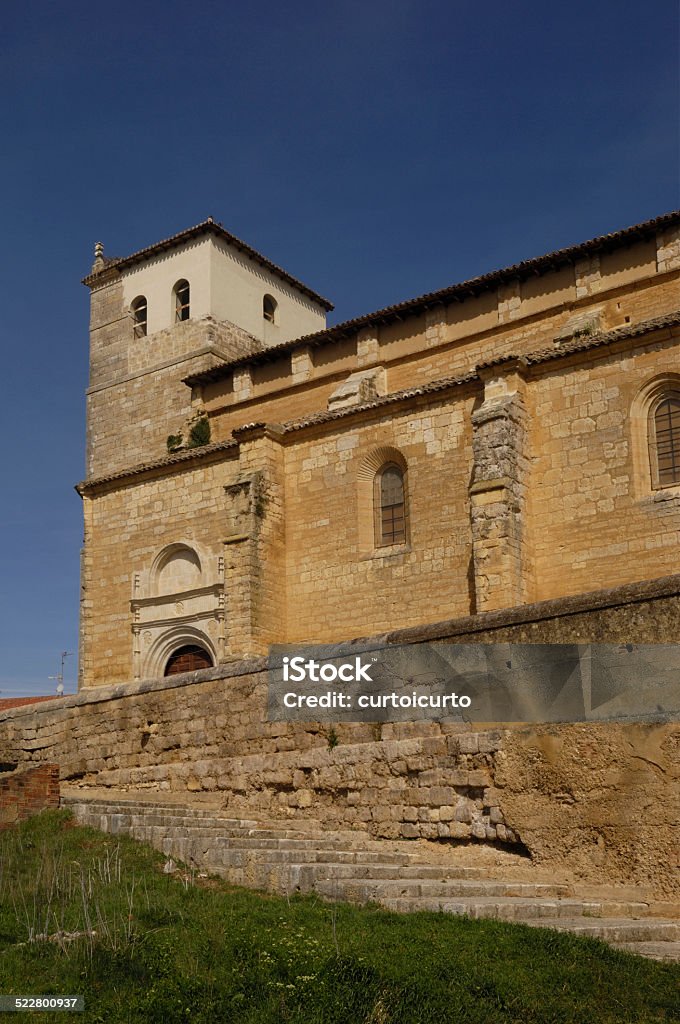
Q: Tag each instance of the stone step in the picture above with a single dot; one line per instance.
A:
(180, 814)
(615, 930)
(372, 889)
(216, 856)
(226, 829)
(653, 950)
(329, 858)
(207, 839)
(213, 826)
(384, 870)
(265, 839)
(250, 842)
(505, 908)
(179, 811)
(272, 855)
(357, 881)
(239, 825)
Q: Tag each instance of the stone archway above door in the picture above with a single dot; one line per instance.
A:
(178, 601)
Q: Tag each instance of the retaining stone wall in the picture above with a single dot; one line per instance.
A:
(599, 799)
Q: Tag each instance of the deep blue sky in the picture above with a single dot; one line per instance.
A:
(376, 149)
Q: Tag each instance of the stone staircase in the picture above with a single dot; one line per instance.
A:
(401, 876)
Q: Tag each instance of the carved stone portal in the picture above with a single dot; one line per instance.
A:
(179, 601)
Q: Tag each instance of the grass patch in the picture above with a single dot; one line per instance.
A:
(84, 913)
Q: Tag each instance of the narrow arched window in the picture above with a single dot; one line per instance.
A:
(269, 305)
(139, 315)
(182, 306)
(390, 506)
(665, 447)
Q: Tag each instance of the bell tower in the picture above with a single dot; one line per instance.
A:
(183, 305)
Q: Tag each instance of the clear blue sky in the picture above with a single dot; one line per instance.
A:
(376, 149)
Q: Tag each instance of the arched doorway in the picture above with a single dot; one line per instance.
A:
(189, 658)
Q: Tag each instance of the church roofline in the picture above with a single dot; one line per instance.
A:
(443, 384)
(456, 292)
(545, 355)
(212, 227)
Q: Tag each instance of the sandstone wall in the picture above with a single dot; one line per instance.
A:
(602, 800)
(594, 518)
(125, 530)
(446, 341)
(528, 483)
(136, 396)
(338, 582)
(599, 800)
(526, 479)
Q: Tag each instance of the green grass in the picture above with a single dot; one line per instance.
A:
(168, 950)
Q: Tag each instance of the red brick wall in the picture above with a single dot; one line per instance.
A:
(23, 794)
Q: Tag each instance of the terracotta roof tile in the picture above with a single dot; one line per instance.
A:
(168, 460)
(541, 356)
(581, 344)
(455, 292)
(15, 702)
(443, 384)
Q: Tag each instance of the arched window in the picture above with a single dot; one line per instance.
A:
(269, 305)
(664, 441)
(181, 301)
(389, 499)
(654, 431)
(189, 658)
(139, 314)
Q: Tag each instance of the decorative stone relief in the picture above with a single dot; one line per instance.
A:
(240, 501)
(176, 602)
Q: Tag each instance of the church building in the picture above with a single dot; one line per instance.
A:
(255, 477)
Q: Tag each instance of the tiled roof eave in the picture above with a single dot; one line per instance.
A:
(457, 292)
(532, 359)
(583, 344)
(406, 395)
(192, 455)
(208, 226)
(440, 386)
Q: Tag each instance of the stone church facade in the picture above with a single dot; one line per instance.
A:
(254, 476)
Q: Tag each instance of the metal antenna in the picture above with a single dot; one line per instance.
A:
(60, 675)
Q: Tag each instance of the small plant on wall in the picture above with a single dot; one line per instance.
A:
(174, 442)
(199, 432)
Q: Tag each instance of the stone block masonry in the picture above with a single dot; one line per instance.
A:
(519, 408)
(25, 793)
(600, 799)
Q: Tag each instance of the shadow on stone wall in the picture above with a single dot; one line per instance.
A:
(597, 800)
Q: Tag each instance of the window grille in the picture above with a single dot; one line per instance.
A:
(391, 518)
